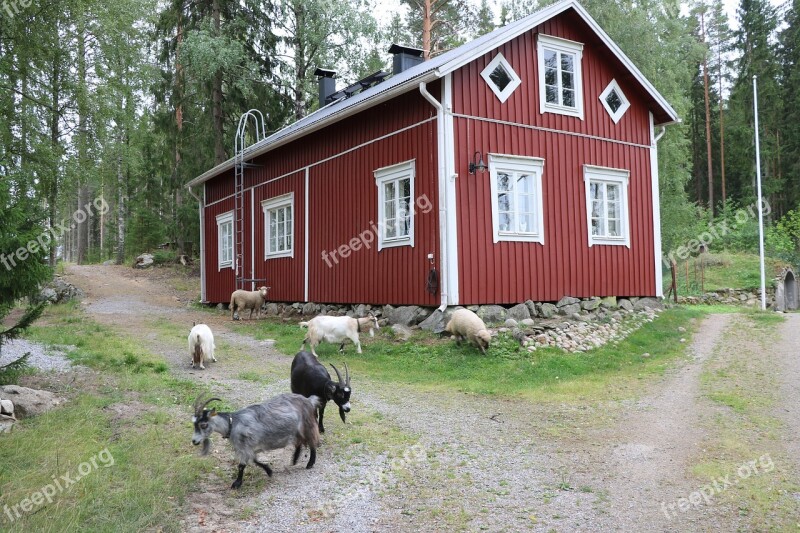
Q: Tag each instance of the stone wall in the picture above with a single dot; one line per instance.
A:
(746, 297)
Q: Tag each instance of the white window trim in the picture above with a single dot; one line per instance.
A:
(225, 218)
(566, 46)
(615, 116)
(513, 84)
(272, 203)
(615, 176)
(386, 174)
(534, 165)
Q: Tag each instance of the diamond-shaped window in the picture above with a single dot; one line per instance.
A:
(614, 101)
(501, 78)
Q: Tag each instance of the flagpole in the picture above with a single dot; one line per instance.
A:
(760, 202)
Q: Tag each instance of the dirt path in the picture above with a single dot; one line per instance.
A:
(461, 462)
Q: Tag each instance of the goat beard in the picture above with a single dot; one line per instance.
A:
(206, 447)
(342, 414)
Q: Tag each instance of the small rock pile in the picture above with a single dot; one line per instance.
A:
(7, 418)
(750, 298)
(581, 336)
(59, 291)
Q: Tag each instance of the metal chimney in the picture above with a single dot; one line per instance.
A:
(405, 57)
(327, 85)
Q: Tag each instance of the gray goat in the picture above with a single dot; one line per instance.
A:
(285, 419)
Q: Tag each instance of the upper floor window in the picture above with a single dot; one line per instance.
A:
(560, 81)
(500, 77)
(225, 240)
(279, 224)
(614, 101)
(516, 184)
(395, 205)
(607, 205)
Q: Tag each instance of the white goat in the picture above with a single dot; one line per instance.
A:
(201, 345)
(335, 329)
(244, 300)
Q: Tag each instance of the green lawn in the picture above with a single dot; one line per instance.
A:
(722, 271)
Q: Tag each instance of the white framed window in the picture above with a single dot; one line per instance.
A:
(560, 77)
(516, 184)
(500, 77)
(225, 240)
(395, 205)
(614, 101)
(607, 205)
(279, 226)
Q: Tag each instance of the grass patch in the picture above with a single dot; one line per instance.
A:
(127, 409)
(722, 271)
(547, 374)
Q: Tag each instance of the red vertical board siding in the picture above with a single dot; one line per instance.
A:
(219, 283)
(343, 203)
(510, 272)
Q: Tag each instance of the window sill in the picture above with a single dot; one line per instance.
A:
(518, 237)
(278, 255)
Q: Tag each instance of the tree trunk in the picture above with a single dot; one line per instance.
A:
(121, 190)
(721, 130)
(300, 61)
(83, 137)
(216, 97)
(52, 193)
(427, 25)
(708, 123)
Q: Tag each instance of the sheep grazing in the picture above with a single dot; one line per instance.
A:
(311, 378)
(465, 324)
(285, 419)
(335, 329)
(201, 345)
(244, 300)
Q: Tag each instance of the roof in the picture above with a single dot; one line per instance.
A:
(434, 69)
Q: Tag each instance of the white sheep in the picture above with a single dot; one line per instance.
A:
(465, 324)
(244, 300)
(201, 345)
(335, 329)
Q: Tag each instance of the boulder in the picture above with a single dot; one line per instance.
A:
(570, 309)
(309, 309)
(567, 300)
(144, 261)
(531, 305)
(407, 315)
(7, 407)
(6, 423)
(519, 312)
(609, 302)
(548, 310)
(437, 321)
(29, 402)
(652, 303)
(590, 305)
(402, 332)
(48, 295)
(511, 323)
(272, 309)
(626, 304)
(492, 314)
(361, 310)
(528, 323)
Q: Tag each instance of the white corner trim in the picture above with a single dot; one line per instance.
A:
(618, 176)
(305, 236)
(531, 165)
(561, 46)
(615, 115)
(283, 200)
(383, 175)
(223, 219)
(252, 239)
(515, 81)
(656, 209)
(450, 238)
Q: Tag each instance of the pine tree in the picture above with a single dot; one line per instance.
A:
(790, 90)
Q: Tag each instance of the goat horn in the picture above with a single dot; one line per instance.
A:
(346, 373)
(338, 374)
(198, 408)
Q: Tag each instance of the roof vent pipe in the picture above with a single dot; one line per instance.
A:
(405, 57)
(327, 85)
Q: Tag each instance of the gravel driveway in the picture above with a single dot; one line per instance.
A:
(465, 462)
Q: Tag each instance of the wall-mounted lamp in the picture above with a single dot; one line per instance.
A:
(477, 163)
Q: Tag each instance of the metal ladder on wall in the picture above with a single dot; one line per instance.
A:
(239, 165)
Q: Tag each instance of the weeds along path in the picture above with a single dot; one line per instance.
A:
(786, 356)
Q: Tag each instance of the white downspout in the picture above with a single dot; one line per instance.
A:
(202, 245)
(423, 90)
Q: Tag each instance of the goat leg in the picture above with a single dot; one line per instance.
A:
(312, 457)
(341, 347)
(238, 482)
(266, 467)
(321, 415)
(296, 456)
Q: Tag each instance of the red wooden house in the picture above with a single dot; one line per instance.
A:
(522, 165)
